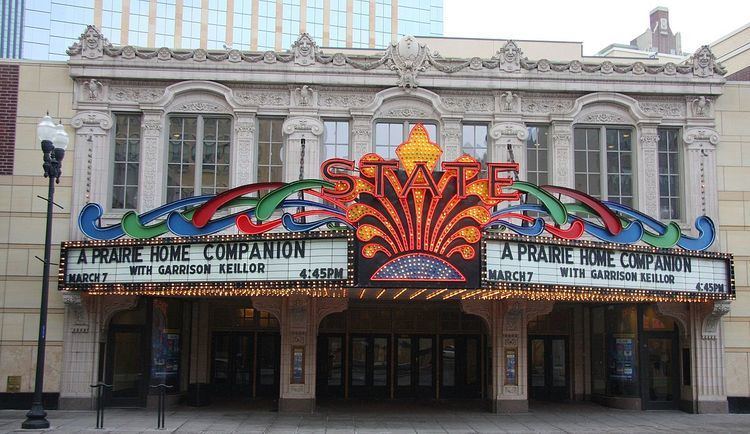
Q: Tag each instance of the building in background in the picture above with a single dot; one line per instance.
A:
(733, 50)
(50, 26)
(11, 24)
(658, 40)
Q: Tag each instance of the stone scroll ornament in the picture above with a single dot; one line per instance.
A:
(405, 211)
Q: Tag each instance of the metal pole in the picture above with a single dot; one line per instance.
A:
(36, 418)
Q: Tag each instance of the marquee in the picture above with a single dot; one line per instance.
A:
(406, 223)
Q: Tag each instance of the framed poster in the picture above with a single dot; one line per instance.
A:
(511, 364)
(298, 365)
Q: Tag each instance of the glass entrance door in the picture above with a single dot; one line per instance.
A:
(126, 356)
(330, 367)
(368, 369)
(548, 368)
(660, 376)
(415, 367)
(231, 364)
(460, 375)
(269, 360)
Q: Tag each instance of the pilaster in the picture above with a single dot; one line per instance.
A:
(243, 151)
(361, 136)
(92, 160)
(296, 128)
(702, 192)
(648, 169)
(151, 180)
(298, 345)
(561, 145)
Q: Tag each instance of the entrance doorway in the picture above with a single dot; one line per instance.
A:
(126, 355)
(245, 364)
(660, 388)
(397, 351)
(548, 368)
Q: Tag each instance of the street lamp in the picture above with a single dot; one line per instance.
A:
(54, 141)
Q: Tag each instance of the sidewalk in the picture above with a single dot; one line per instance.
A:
(406, 419)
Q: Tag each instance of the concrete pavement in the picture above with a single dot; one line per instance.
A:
(387, 418)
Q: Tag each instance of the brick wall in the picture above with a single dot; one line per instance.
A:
(741, 75)
(8, 109)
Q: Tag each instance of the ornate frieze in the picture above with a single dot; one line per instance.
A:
(344, 99)
(135, 94)
(665, 109)
(405, 112)
(603, 118)
(201, 107)
(544, 105)
(479, 104)
(261, 98)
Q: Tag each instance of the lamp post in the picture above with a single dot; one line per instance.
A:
(54, 141)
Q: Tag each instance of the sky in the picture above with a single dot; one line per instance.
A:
(595, 23)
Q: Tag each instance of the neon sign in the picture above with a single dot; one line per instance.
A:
(414, 219)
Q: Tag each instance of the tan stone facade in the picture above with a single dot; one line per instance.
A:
(733, 123)
(44, 87)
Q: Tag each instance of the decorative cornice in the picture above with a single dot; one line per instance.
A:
(407, 57)
(90, 119)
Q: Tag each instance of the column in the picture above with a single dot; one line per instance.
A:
(295, 129)
(243, 150)
(648, 169)
(152, 161)
(709, 383)
(361, 137)
(562, 154)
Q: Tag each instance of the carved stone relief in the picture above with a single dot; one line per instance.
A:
(508, 101)
(135, 94)
(91, 90)
(602, 117)
(672, 109)
(509, 57)
(701, 106)
(302, 124)
(304, 50)
(479, 104)
(546, 105)
(700, 137)
(407, 57)
(151, 126)
(261, 98)
(704, 63)
(200, 107)
(303, 95)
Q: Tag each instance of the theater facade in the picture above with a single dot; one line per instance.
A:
(308, 226)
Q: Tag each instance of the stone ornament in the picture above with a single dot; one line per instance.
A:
(468, 103)
(344, 99)
(90, 45)
(603, 118)
(701, 106)
(93, 89)
(304, 95)
(700, 136)
(91, 119)
(302, 124)
(74, 302)
(546, 105)
(509, 57)
(135, 94)
(407, 57)
(304, 50)
(508, 101)
(704, 63)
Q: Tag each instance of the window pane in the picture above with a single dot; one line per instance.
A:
(669, 174)
(475, 142)
(619, 176)
(537, 149)
(126, 164)
(269, 149)
(336, 139)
